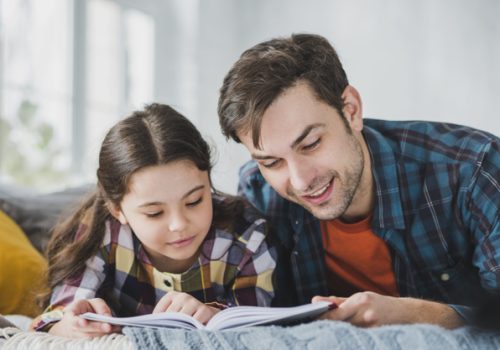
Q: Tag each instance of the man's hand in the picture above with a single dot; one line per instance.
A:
(368, 309)
(187, 304)
(73, 326)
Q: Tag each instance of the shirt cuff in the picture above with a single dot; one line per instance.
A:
(467, 313)
(46, 320)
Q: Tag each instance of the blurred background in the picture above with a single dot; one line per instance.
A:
(69, 69)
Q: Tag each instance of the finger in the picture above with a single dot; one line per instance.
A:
(332, 299)
(102, 329)
(78, 307)
(319, 298)
(81, 322)
(190, 308)
(204, 314)
(87, 326)
(100, 307)
(163, 304)
(345, 311)
(174, 307)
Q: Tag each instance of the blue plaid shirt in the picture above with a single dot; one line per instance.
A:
(437, 206)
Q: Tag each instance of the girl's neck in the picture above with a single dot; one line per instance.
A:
(165, 264)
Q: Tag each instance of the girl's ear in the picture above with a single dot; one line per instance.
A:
(117, 213)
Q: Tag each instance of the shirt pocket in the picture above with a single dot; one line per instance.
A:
(455, 284)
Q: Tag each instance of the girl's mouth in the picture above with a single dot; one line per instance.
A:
(182, 242)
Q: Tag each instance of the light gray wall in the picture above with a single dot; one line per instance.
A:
(426, 59)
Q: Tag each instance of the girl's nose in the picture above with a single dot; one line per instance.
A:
(177, 222)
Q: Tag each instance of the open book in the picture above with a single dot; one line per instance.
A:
(234, 317)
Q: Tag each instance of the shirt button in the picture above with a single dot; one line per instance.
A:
(167, 283)
(296, 253)
(445, 277)
(296, 222)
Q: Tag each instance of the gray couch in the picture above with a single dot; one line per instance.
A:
(36, 213)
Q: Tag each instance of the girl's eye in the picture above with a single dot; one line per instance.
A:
(154, 215)
(311, 145)
(195, 203)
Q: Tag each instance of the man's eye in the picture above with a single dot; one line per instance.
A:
(195, 203)
(311, 145)
(270, 165)
(154, 215)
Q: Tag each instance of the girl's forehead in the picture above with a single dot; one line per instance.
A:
(168, 181)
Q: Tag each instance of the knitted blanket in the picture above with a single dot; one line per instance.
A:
(317, 335)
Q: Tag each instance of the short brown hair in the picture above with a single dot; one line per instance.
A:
(265, 71)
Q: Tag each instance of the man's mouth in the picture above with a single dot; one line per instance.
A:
(320, 195)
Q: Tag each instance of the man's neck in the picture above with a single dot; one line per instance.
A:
(363, 201)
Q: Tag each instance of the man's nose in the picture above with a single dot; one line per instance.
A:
(301, 176)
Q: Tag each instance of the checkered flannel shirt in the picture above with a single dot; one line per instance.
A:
(234, 268)
(437, 200)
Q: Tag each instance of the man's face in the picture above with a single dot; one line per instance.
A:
(308, 155)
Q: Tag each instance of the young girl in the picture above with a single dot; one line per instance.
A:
(155, 236)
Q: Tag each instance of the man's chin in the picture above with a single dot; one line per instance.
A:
(324, 211)
(324, 215)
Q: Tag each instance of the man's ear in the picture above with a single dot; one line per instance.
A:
(353, 108)
(117, 213)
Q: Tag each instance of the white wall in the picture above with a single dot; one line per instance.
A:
(410, 59)
(429, 60)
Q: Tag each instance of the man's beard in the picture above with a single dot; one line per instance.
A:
(345, 186)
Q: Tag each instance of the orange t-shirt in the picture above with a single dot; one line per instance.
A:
(356, 259)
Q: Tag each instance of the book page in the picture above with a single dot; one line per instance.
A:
(159, 320)
(245, 316)
(235, 317)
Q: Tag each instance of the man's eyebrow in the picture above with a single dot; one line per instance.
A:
(294, 144)
(304, 134)
(191, 191)
(263, 157)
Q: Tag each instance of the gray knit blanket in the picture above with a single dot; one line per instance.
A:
(317, 335)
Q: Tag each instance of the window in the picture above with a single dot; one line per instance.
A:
(68, 71)
(35, 94)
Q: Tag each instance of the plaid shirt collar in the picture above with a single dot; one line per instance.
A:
(388, 213)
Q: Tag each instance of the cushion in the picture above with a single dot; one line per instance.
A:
(36, 213)
(22, 270)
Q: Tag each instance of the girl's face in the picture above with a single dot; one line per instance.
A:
(169, 208)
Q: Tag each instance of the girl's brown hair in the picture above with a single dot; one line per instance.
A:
(154, 136)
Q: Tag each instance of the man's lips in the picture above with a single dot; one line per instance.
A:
(320, 195)
(181, 242)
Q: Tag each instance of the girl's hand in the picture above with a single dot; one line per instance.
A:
(73, 326)
(187, 304)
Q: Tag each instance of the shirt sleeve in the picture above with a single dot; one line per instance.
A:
(481, 215)
(253, 284)
(81, 286)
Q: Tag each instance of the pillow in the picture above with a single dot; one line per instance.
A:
(36, 213)
(22, 270)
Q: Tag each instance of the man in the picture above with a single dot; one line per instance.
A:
(396, 222)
